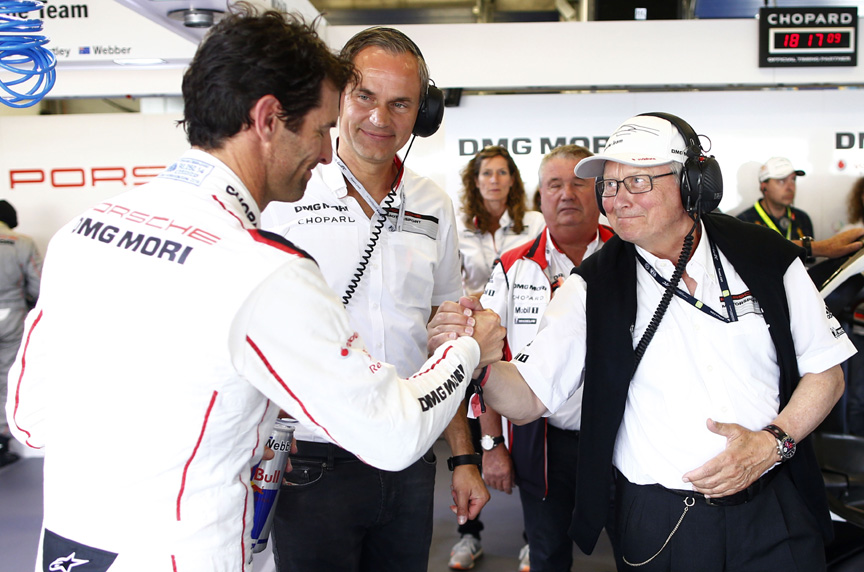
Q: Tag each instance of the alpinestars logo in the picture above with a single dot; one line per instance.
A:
(66, 563)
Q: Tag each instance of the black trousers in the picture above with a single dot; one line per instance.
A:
(774, 531)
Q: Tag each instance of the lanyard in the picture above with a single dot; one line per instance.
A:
(699, 305)
(770, 223)
(361, 190)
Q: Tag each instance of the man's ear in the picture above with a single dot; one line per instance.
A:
(265, 117)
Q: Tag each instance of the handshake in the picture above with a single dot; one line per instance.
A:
(468, 318)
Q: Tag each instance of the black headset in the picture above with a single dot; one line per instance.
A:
(431, 111)
(701, 179)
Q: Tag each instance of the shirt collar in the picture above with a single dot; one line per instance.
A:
(332, 177)
(700, 266)
(241, 200)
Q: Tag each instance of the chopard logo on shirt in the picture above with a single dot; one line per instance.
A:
(248, 210)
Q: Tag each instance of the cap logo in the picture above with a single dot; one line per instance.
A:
(632, 127)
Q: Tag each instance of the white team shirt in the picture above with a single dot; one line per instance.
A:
(521, 298)
(695, 368)
(168, 334)
(414, 266)
(479, 250)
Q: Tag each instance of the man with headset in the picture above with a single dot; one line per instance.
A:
(386, 242)
(730, 370)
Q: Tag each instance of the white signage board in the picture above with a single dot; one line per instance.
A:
(52, 167)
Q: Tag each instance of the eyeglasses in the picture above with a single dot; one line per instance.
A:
(636, 184)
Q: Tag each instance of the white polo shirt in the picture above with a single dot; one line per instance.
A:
(696, 367)
(521, 297)
(479, 250)
(410, 271)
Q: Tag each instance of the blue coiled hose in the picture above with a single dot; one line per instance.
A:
(27, 68)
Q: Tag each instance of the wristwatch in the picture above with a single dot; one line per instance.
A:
(807, 243)
(785, 444)
(488, 442)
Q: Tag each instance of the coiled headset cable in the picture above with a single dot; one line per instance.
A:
(376, 232)
(23, 56)
(666, 299)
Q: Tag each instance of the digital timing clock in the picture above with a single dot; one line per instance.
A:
(808, 37)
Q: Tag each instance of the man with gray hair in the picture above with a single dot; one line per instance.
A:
(541, 456)
(386, 242)
(702, 395)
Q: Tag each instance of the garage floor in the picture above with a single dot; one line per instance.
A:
(21, 515)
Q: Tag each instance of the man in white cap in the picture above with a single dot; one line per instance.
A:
(777, 182)
(697, 394)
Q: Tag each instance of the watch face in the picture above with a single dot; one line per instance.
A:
(487, 442)
(787, 448)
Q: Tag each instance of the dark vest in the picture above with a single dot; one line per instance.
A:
(761, 257)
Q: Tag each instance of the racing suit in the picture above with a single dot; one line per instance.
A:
(168, 334)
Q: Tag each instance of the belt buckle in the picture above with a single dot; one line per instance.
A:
(711, 501)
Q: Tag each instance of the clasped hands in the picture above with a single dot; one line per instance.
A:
(468, 318)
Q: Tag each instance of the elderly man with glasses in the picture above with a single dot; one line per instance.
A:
(703, 366)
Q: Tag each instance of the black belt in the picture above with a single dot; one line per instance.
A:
(332, 453)
(550, 427)
(740, 497)
(328, 451)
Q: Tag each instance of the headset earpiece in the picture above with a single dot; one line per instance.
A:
(701, 179)
(431, 112)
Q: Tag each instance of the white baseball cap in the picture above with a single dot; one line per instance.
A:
(777, 168)
(643, 140)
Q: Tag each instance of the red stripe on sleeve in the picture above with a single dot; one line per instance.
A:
(195, 451)
(21, 377)
(272, 371)
(431, 367)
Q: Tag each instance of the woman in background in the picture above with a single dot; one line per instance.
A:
(494, 216)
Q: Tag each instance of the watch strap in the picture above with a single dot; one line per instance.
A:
(471, 459)
(806, 242)
(776, 431)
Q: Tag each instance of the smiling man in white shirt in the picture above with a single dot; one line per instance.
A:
(386, 242)
(697, 394)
